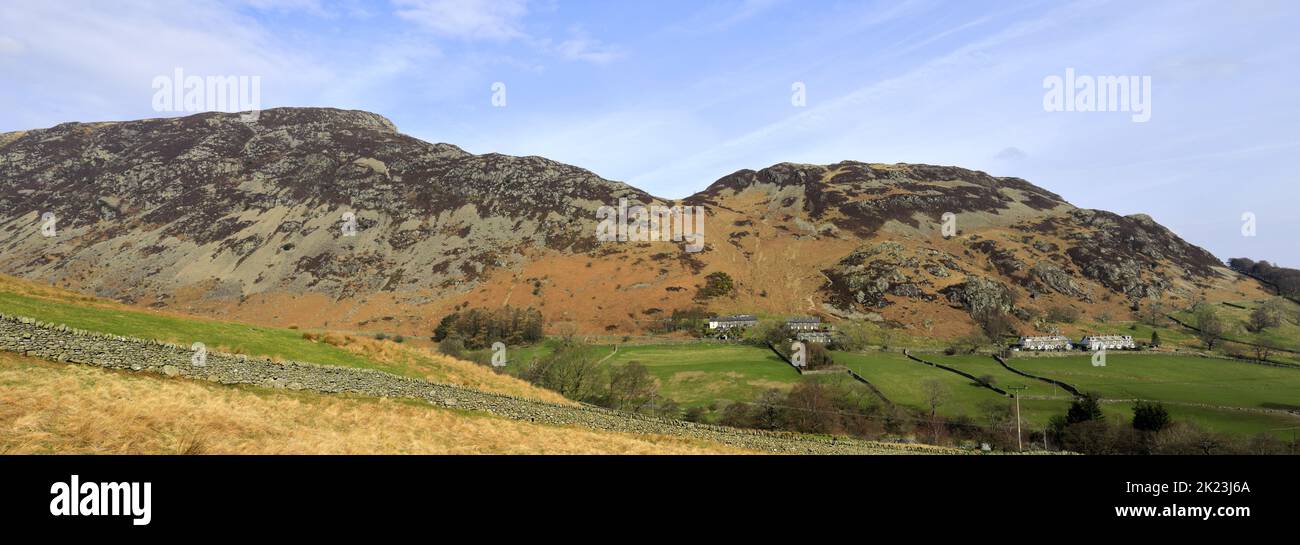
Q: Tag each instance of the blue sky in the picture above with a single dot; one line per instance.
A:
(670, 96)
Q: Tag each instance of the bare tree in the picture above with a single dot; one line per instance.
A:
(1209, 326)
(1152, 312)
(936, 394)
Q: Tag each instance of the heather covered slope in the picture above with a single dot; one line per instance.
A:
(208, 214)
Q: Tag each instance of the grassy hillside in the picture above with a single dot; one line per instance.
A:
(59, 408)
(58, 306)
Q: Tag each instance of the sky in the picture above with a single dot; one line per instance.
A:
(670, 96)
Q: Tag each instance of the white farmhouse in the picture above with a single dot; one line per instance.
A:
(803, 323)
(1052, 342)
(1107, 342)
(819, 337)
(723, 323)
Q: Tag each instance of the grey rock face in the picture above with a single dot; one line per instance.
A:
(1045, 276)
(149, 203)
(979, 295)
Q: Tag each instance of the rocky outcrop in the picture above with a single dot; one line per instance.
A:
(164, 204)
(1046, 276)
(1133, 255)
(865, 278)
(979, 295)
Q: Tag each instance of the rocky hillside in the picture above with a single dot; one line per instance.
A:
(211, 214)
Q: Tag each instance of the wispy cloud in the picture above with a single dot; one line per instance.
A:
(582, 47)
(467, 19)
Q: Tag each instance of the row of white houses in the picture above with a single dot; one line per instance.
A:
(805, 328)
(796, 323)
(1091, 342)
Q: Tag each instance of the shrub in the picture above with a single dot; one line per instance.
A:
(1148, 416)
(716, 284)
(452, 346)
(1084, 409)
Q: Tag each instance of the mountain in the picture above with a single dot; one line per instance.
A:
(215, 215)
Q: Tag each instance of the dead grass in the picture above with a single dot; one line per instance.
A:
(59, 408)
(440, 367)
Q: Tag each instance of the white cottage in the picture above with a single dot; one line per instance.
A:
(803, 323)
(1050, 342)
(723, 323)
(1107, 342)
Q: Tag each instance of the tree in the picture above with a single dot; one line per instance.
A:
(632, 388)
(1155, 338)
(1084, 409)
(768, 332)
(1209, 326)
(452, 346)
(995, 323)
(1148, 416)
(1263, 349)
(573, 372)
(1152, 313)
(813, 409)
(853, 337)
(1265, 316)
(935, 393)
(479, 328)
(818, 356)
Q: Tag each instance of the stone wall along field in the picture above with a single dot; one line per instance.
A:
(64, 344)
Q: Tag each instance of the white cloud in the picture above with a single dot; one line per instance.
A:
(97, 62)
(581, 47)
(467, 19)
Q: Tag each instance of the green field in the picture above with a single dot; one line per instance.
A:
(700, 373)
(216, 335)
(1175, 378)
(1201, 389)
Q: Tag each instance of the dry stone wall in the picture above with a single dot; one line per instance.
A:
(64, 344)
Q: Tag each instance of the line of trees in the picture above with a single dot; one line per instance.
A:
(479, 328)
(1084, 428)
(1287, 280)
